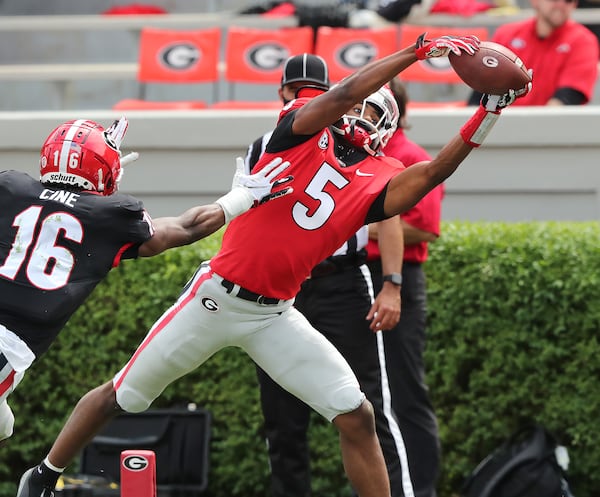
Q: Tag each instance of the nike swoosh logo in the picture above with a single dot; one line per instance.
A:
(359, 173)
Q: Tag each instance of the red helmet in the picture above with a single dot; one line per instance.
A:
(82, 154)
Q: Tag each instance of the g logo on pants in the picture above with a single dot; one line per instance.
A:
(209, 304)
(135, 463)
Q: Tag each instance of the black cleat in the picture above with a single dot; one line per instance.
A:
(30, 488)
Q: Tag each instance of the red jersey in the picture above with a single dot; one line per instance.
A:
(568, 58)
(271, 250)
(425, 215)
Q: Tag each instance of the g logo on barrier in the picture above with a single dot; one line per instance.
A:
(357, 54)
(135, 463)
(267, 56)
(180, 56)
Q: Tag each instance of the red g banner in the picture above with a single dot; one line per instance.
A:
(179, 56)
(257, 55)
(348, 49)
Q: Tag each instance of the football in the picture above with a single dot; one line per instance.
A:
(493, 69)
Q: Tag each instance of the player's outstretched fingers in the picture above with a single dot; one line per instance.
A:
(239, 165)
(282, 181)
(275, 168)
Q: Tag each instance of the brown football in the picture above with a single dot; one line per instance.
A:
(493, 69)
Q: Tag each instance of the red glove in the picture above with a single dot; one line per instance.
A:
(441, 47)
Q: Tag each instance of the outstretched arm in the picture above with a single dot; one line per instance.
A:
(326, 109)
(409, 186)
(248, 190)
(194, 224)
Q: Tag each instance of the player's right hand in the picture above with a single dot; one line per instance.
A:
(441, 47)
(261, 185)
(495, 103)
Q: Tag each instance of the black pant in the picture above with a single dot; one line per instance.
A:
(404, 347)
(336, 305)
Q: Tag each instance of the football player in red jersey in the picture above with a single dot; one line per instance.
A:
(63, 233)
(243, 297)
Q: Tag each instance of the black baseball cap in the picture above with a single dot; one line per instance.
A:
(305, 67)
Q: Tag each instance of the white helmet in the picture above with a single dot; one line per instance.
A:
(363, 133)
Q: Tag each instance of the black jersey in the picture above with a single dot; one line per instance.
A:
(55, 247)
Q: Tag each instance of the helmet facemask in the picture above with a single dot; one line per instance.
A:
(362, 132)
(114, 137)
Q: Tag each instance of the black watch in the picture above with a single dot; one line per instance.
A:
(394, 278)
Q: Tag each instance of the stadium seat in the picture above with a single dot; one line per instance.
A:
(175, 57)
(347, 49)
(256, 56)
(433, 82)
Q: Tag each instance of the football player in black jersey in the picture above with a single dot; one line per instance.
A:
(62, 234)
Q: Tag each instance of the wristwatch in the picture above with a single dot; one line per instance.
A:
(394, 278)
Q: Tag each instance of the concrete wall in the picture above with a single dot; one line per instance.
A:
(537, 164)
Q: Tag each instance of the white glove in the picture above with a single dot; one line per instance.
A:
(495, 103)
(250, 190)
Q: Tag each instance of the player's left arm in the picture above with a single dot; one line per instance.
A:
(248, 190)
(409, 186)
(194, 224)
(385, 311)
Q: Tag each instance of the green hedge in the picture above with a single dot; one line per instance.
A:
(514, 315)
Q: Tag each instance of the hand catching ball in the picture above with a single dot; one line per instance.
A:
(493, 69)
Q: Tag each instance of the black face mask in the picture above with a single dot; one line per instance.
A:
(346, 154)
